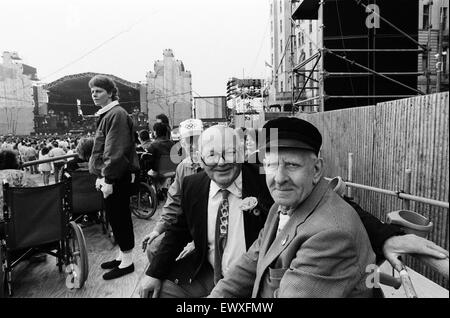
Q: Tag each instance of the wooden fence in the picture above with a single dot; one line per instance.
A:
(385, 140)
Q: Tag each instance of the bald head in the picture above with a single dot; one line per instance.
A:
(221, 153)
(220, 138)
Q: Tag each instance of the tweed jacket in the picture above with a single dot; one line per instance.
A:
(322, 251)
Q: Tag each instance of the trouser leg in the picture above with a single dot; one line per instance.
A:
(117, 206)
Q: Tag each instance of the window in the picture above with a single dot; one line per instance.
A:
(281, 6)
(281, 26)
(426, 16)
(300, 38)
(271, 26)
(310, 49)
(281, 46)
(444, 65)
(444, 16)
(310, 27)
(271, 42)
(424, 61)
(281, 87)
(271, 9)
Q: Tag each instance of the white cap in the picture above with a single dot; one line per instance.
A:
(190, 127)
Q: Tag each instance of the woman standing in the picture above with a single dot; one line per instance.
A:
(113, 161)
(45, 167)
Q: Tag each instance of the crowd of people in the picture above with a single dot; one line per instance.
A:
(248, 214)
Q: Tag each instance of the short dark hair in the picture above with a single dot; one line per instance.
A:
(84, 148)
(161, 130)
(163, 118)
(45, 150)
(107, 84)
(8, 160)
(144, 135)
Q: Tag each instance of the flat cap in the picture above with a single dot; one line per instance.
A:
(292, 133)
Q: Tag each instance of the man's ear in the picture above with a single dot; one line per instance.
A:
(318, 170)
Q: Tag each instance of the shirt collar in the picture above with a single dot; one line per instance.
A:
(235, 188)
(282, 210)
(107, 108)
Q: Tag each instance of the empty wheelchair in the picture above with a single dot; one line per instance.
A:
(38, 220)
(152, 186)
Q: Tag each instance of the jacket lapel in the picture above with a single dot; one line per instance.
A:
(252, 186)
(270, 230)
(199, 217)
(298, 217)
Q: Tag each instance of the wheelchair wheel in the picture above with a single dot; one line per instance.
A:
(144, 203)
(77, 266)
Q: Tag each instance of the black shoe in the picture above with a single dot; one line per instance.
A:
(118, 272)
(110, 264)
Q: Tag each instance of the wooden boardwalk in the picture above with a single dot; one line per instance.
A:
(43, 280)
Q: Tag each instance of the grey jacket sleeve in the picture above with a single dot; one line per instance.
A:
(238, 281)
(172, 207)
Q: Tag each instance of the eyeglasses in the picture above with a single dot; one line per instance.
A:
(212, 159)
(272, 166)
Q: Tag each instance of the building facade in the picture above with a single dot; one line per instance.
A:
(169, 90)
(210, 107)
(433, 32)
(17, 104)
(282, 47)
(306, 74)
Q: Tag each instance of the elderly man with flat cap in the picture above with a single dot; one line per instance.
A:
(313, 243)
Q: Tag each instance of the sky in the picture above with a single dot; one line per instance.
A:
(215, 39)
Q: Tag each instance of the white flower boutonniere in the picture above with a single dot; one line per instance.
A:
(249, 204)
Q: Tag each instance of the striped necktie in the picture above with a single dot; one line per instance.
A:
(221, 234)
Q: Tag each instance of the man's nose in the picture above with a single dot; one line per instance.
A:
(221, 161)
(281, 175)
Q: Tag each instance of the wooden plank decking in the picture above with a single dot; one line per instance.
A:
(43, 280)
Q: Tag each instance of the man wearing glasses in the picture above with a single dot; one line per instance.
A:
(212, 217)
(224, 208)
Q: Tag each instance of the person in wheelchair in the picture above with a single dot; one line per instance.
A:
(83, 150)
(10, 172)
(160, 148)
(81, 163)
(145, 142)
(190, 131)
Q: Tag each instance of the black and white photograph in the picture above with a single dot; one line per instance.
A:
(224, 153)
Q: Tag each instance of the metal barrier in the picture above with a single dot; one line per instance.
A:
(440, 266)
(36, 162)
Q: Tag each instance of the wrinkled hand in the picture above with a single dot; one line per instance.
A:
(99, 183)
(148, 239)
(188, 249)
(150, 287)
(410, 244)
(107, 189)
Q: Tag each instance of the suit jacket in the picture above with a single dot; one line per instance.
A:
(192, 225)
(322, 251)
